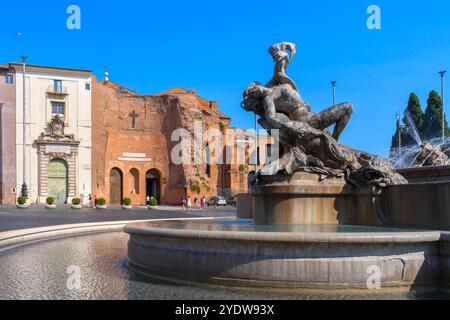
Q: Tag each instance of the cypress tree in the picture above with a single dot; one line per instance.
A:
(417, 115)
(404, 134)
(433, 117)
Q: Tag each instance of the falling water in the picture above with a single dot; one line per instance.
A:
(408, 157)
(411, 126)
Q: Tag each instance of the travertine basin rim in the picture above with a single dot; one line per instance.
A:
(300, 237)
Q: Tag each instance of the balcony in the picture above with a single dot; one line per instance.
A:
(57, 90)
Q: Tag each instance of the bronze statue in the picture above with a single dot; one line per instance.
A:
(282, 59)
(304, 138)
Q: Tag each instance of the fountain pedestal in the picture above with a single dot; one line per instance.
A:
(302, 198)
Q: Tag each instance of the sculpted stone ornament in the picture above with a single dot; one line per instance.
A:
(305, 142)
(56, 129)
(432, 156)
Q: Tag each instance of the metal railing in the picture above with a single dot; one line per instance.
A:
(56, 90)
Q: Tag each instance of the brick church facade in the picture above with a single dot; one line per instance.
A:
(132, 146)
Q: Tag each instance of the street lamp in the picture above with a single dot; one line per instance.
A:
(24, 177)
(256, 143)
(399, 129)
(442, 73)
(333, 84)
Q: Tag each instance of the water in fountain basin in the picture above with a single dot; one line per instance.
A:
(34, 272)
(246, 225)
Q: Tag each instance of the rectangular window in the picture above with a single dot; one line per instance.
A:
(9, 79)
(57, 85)
(58, 108)
(88, 87)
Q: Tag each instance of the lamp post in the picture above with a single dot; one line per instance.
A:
(442, 73)
(399, 129)
(333, 84)
(24, 191)
(256, 143)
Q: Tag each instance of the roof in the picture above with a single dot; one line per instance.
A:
(177, 90)
(51, 70)
(117, 86)
(204, 103)
(5, 68)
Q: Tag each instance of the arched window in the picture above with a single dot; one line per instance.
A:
(134, 180)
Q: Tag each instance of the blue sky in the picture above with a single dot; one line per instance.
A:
(219, 47)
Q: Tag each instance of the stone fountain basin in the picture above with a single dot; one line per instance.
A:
(407, 260)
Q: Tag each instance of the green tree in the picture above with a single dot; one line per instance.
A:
(417, 115)
(433, 117)
(404, 135)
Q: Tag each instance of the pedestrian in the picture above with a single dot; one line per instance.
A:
(183, 202)
(90, 201)
(195, 203)
(216, 202)
(189, 203)
(95, 201)
(81, 199)
(203, 202)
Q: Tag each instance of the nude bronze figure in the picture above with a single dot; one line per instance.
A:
(304, 138)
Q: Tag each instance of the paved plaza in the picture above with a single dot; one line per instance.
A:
(12, 218)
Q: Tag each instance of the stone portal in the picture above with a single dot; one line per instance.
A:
(153, 184)
(57, 161)
(116, 186)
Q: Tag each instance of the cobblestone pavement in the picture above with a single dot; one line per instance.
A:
(12, 218)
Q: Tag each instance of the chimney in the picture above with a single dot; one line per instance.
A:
(106, 74)
(214, 105)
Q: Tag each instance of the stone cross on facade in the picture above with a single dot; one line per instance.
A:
(133, 115)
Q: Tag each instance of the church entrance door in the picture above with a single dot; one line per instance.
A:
(153, 184)
(58, 180)
(116, 186)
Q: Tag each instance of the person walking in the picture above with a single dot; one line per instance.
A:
(183, 202)
(189, 203)
(203, 202)
(195, 203)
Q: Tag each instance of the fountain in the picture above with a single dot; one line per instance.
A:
(413, 129)
(424, 162)
(430, 153)
(324, 214)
